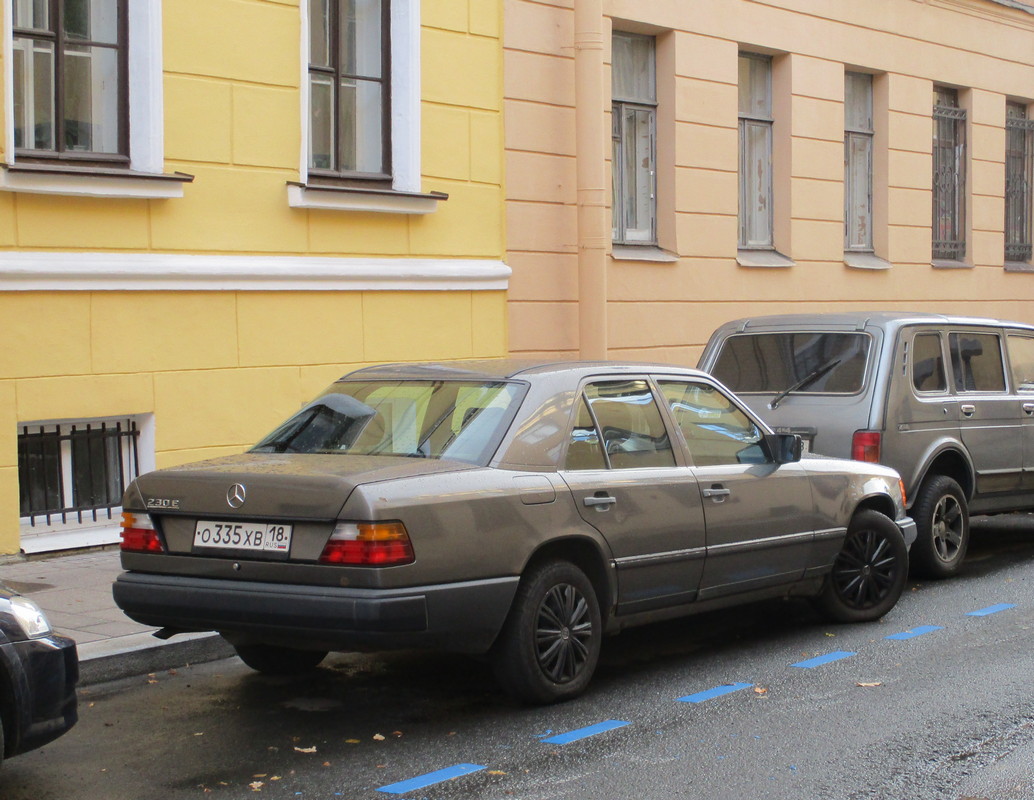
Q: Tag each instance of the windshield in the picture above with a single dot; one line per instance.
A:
(817, 363)
(458, 420)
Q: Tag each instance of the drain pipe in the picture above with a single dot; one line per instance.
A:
(590, 159)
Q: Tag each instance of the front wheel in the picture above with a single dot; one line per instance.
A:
(274, 660)
(942, 524)
(869, 573)
(550, 644)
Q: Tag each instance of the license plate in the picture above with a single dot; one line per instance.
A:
(249, 536)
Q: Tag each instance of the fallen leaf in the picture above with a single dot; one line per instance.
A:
(305, 749)
(199, 734)
(496, 772)
(378, 738)
(868, 685)
(351, 741)
(256, 786)
(260, 775)
(396, 733)
(760, 690)
(831, 635)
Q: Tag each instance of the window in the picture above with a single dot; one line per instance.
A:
(1019, 183)
(70, 82)
(858, 138)
(75, 472)
(755, 122)
(716, 431)
(625, 418)
(634, 131)
(349, 88)
(928, 363)
(949, 176)
(1021, 362)
(976, 362)
(814, 362)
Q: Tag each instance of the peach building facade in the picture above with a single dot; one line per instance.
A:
(588, 282)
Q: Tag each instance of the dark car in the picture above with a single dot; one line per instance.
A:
(38, 674)
(514, 510)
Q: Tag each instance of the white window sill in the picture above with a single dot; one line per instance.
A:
(69, 539)
(1019, 266)
(944, 263)
(762, 258)
(633, 252)
(337, 198)
(91, 182)
(858, 260)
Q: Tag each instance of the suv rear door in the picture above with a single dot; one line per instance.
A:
(990, 418)
(1020, 346)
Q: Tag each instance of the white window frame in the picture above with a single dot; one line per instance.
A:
(764, 123)
(57, 534)
(405, 195)
(623, 232)
(146, 124)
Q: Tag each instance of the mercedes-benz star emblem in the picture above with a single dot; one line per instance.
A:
(236, 495)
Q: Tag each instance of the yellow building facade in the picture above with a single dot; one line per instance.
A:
(271, 196)
(672, 166)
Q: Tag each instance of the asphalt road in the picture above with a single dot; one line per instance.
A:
(775, 703)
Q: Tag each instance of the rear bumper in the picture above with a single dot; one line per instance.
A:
(460, 617)
(908, 529)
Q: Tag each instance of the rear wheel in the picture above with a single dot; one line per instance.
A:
(942, 523)
(869, 573)
(275, 660)
(550, 643)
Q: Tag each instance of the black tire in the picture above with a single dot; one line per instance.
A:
(549, 646)
(942, 522)
(869, 573)
(275, 660)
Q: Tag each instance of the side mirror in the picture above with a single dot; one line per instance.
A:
(785, 448)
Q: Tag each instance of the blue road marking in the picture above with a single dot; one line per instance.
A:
(912, 634)
(983, 612)
(582, 733)
(431, 778)
(717, 691)
(818, 661)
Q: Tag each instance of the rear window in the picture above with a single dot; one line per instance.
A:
(813, 362)
(458, 420)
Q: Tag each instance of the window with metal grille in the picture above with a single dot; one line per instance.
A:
(349, 89)
(71, 96)
(949, 176)
(75, 472)
(755, 124)
(634, 133)
(1019, 183)
(858, 139)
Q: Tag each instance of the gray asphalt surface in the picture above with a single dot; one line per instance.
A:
(944, 715)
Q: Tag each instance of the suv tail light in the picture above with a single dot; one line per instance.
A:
(373, 544)
(865, 446)
(139, 535)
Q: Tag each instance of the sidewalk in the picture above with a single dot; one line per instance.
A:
(75, 592)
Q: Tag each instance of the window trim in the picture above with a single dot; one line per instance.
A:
(405, 88)
(144, 176)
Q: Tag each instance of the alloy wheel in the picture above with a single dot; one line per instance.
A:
(562, 633)
(865, 569)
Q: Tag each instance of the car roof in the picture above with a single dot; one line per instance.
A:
(859, 320)
(505, 368)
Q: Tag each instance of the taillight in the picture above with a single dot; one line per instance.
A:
(374, 544)
(904, 497)
(865, 446)
(139, 535)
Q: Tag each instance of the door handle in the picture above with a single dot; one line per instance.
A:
(600, 502)
(718, 493)
(967, 410)
(1028, 409)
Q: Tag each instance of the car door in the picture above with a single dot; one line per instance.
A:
(990, 419)
(1020, 347)
(622, 471)
(760, 515)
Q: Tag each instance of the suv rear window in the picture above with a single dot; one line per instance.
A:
(821, 363)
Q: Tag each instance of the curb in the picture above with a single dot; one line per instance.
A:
(142, 653)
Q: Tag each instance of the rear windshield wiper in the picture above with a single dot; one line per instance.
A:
(807, 380)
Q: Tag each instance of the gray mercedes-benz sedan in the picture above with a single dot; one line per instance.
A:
(505, 508)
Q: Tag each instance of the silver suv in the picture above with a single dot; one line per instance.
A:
(946, 401)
